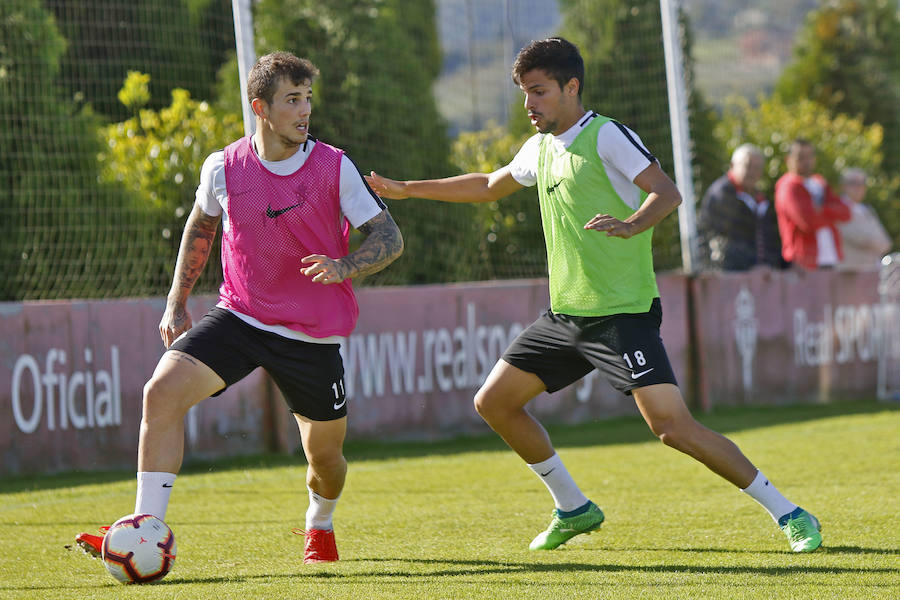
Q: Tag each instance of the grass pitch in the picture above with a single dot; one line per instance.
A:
(453, 519)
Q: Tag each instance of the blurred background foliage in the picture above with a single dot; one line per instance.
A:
(108, 109)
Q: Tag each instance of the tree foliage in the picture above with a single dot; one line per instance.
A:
(161, 38)
(58, 221)
(509, 236)
(157, 156)
(847, 58)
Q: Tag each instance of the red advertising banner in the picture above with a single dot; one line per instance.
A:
(780, 337)
(72, 373)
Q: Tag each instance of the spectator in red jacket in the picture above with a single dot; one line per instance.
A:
(808, 211)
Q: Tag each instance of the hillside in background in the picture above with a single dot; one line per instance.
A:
(740, 47)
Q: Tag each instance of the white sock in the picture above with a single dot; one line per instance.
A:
(566, 494)
(320, 511)
(153, 490)
(768, 495)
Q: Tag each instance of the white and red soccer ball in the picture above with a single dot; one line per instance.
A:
(138, 549)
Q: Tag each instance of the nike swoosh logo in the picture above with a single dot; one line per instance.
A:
(167, 485)
(274, 213)
(338, 406)
(636, 375)
(548, 472)
(565, 530)
(554, 186)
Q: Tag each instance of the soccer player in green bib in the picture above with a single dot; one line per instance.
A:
(601, 192)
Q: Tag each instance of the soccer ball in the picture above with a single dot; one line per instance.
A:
(138, 549)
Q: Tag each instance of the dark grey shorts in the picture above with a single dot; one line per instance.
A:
(625, 348)
(309, 375)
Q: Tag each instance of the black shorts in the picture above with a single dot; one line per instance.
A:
(625, 348)
(309, 375)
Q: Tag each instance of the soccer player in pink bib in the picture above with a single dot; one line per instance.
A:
(286, 202)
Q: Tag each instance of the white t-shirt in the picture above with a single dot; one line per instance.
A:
(358, 204)
(623, 154)
(825, 242)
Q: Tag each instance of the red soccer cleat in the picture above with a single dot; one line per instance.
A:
(320, 546)
(91, 544)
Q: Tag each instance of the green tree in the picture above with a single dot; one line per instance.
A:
(510, 241)
(156, 156)
(63, 231)
(841, 141)
(180, 43)
(847, 58)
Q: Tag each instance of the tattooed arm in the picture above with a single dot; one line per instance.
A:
(196, 242)
(382, 246)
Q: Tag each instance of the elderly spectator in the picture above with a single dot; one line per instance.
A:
(863, 237)
(808, 212)
(738, 225)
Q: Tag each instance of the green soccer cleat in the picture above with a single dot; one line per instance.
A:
(802, 530)
(563, 529)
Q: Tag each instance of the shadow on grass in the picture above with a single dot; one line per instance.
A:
(620, 430)
(406, 568)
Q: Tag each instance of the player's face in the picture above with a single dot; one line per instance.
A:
(288, 115)
(551, 109)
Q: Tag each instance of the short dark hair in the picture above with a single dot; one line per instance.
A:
(270, 69)
(799, 143)
(557, 57)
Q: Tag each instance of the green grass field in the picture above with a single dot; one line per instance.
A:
(453, 519)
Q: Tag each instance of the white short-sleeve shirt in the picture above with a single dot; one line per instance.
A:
(623, 154)
(358, 204)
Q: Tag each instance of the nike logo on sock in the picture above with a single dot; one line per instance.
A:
(548, 472)
(168, 485)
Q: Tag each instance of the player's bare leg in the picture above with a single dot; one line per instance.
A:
(501, 403)
(323, 443)
(670, 420)
(665, 412)
(179, 382)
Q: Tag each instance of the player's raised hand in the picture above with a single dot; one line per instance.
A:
(175, 321)
(388, 188)
(611, 225)
(322, 269)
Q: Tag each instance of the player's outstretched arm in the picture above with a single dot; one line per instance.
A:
(196, 243)
(382, 246)
(662, 198)
(471, 187)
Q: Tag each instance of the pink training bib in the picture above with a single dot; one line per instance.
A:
(274, 221)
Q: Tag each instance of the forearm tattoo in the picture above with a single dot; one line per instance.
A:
(196, 244)
(382, 246)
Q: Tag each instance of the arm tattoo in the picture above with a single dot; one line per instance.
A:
(382, 246)
(196, 243)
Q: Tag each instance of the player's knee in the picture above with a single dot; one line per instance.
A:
(159, 403)
(327, 460)
(485, 405)
(679, 434)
